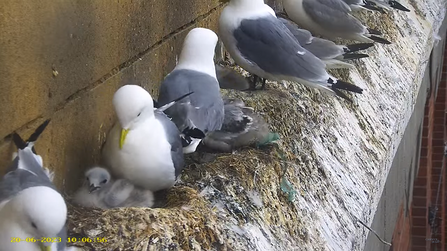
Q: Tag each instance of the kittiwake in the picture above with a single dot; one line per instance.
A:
(144, 146)
(101, 191)
(262, 45)
(331, 54)
(388, 4)
(331, 19)
(30, 206)
(241, 127)
(357, 5)
(195, 72)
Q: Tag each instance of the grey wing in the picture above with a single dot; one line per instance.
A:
(18, 180)
(339, 5)
(267, 43)
(332, 19)
(324, 49)
(355, 2)
(173, 136)
(303, 36)
(203, 109)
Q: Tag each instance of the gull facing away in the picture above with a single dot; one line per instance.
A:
(241, 127)
(331, 54)
(262, 45)
(30, 205)
(101, 191)
(331, 19)
(144, 146)
(195, 72)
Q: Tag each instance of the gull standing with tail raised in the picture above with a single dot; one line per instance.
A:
(32, 211)
(331, 19)
(331, 54)
(262, 45)
(144, 146)
(195, 72)
(101, 191)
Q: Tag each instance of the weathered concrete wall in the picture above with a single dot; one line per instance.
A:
(94, 46)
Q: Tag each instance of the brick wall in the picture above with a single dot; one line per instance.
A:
(64, 60)
(413, 231)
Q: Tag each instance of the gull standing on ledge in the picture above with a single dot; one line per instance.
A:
(195, 72)
(262, 45)
(144, 146)
(30, 205)
(331, 19)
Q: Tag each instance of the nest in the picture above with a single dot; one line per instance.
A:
(214, 196)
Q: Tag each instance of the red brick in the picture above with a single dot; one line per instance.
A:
(420, 231)
(438, 156)
(420, 191)
(420, 211)
(424, 151)
(422, 171)
(419, 201)
(418, 221)
(438, 135)
(439, 115)
(424, 142)
(420, 181)
(419, 240)
(440, 128)
(423, 161)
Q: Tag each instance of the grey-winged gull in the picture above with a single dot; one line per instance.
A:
(331, 19)
(101, 191)
(195, 72)
(357, 5)
(144, 146)
(388, 4)
(262, 45)
(333, 55)
(30, 205)
(241, 127)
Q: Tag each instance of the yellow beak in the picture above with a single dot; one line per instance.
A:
(44, 248)
(124, 133)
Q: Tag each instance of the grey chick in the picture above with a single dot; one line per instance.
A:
(241, 127)
(101, 191)
(231, 79)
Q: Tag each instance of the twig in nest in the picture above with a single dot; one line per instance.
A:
(374, 232)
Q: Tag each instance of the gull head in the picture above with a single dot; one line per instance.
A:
(198, 51)
(133, 105)
(37, 212)
(96, 178)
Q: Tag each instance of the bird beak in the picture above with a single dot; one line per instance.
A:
(93, 188)
(124, 133)
(44, 248)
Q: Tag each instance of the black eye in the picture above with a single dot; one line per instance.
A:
(104, 182)
(139, 114)
(87, 179)
(34, 225)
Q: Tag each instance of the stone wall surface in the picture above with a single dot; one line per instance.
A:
(64, 60)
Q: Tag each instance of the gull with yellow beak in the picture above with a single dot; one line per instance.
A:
(144, 146)
(32, 211)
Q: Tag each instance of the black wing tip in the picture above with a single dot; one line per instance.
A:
(156, 105)
(358, 47)
(396, 5)
(342, 95)
(371, 6)
(379, 40)
(194, 133)
(374, 32)
(18, 141)
(38, 131)
(341, 85)
(354, 56)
